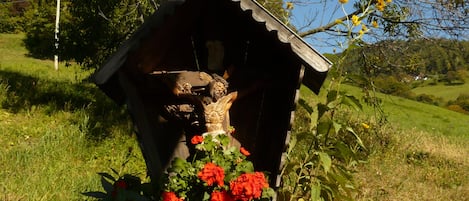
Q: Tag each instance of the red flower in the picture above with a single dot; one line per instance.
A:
(221, 196)
(197, 139)
(170, 196)
(248, 186)
(211, 174)
(244, 151)
(120, 184)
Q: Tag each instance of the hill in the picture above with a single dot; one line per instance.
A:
(422, 153)
(58, 131)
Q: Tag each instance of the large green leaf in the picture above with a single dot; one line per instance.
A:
(352, 101)
(326, 161)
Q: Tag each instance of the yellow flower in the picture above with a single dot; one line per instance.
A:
(289, 5)
(375, 24)
(388, 1)
(364, 28)
(343, 1)
(360, 33)
(355, 20)
(380, 5)
(365, 126)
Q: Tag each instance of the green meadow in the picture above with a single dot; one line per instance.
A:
(445, 92)
(58, 131)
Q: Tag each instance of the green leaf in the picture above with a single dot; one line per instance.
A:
(352, 101)
(333, 104)
(178, 165)
(107, 186)
(359, 140)
(302, 102)
(326, 161)
(291, 144)
(337, 126)
(107, 175)
(95, 194)
(268, 193)
(332, 96)
(224, 139)
(206, 196)
(322, 109)
(316, 192)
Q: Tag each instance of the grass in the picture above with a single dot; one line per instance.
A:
(421, 154)
(445, 92)
(57, 130)
(410, 115)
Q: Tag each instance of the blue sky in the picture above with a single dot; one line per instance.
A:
(322, 13)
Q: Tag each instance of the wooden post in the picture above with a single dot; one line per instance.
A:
(57, 20)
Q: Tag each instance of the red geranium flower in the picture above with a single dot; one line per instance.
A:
(120, 184)
(197, 139)
(244, 151)
(248, 186)
(170, 196)
(211, 174)
(221, 196)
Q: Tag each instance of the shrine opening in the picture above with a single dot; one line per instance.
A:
(212, 66)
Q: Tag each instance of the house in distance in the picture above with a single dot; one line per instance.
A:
(176, 54)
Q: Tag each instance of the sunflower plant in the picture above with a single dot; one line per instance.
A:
(216, 172)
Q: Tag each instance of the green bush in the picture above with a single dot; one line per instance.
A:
(10, 21)
(429, 99)
(390, 85)
(40, 32)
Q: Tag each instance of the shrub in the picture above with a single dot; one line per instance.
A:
(461, 104)
(40, 32)
(429, 99)
(390, 85)
(457, 108)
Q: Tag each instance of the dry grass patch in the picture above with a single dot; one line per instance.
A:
(418, 166)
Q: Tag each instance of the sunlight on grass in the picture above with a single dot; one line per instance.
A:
(419, 166)
(445, 92)
(57, 131)
(421, 154)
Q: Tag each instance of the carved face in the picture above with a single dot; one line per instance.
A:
(218, 90)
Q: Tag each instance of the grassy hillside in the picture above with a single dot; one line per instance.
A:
(421, 154)
(58, 131)
(412, 115)
(446, 92)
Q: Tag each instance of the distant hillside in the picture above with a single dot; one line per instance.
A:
(415, 58)
(430, 71)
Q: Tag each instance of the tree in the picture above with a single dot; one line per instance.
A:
(396, 19)
(91, 30)
(11, 15)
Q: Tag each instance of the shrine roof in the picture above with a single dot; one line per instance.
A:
(316, 65)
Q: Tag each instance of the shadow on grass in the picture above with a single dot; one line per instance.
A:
(93, 111)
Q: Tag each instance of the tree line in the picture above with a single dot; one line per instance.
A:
(91, 30)
(440, 58)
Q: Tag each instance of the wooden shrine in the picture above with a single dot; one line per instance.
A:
(230, 57)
